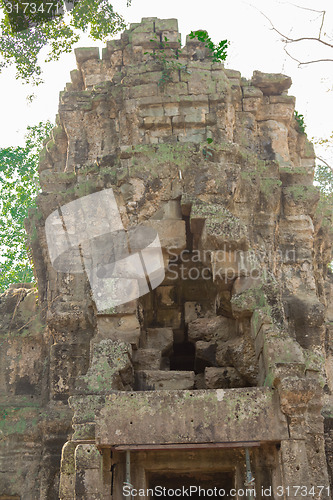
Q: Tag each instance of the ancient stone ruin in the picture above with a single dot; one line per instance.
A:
(221, 373)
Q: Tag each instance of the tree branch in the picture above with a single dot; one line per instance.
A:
(325, 162)
(302, 63)
(288, 40)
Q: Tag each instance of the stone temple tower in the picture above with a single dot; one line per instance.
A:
(213, 366)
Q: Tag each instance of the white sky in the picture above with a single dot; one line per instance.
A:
(254, 46)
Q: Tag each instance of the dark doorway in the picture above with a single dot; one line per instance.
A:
(188, 484)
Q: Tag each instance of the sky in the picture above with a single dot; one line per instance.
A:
(253, 46)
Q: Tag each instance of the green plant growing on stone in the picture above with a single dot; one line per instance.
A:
(169, 65)
(19, 186)
(218, 52)
(300, 122)
(207, 151)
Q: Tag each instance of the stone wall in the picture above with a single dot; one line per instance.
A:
(246, 302)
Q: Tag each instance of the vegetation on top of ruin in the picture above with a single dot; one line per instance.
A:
(218, 52)
(300, 122)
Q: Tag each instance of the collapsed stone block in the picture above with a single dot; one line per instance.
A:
(155, 380)
(271, 84)
(223, 378)
(211, 328)
(205, 354)
(147, 359)
(110, 369)
(158, 338)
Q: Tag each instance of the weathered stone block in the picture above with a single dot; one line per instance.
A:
(192, 135)
(149, 89)
(158, 338)
(281, 112)
(125, 328)
(173, 38)
(205, 354)
(157, 122)
(161, 380)
(243, 304)
(86, 53)
(171, 233)
(243, 283)
(171, 109)
(146, 26)
(172, 89)
(298, 198)
(280, 350)
(213, 328)
(147, 359)
(142, 78)
(258, 319)
(282, 99)
(166, 25)
(271, 83)
(192, 310)
(252, 92)
(110, 369)
(275, 140)
(251, 104)
(87, 456)
(201, 82)
(145, 39)
(151, 111)
(232, 73)
(223, 378)
(259, 417)
(232, 264)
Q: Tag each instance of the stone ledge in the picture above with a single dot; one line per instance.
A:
(166, 417)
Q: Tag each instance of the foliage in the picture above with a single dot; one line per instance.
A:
(208, 151)
(168, 56)
(218, 52)
(23, 48)
(168, 64)
(324, 180)
(300, 122)
(18, 189)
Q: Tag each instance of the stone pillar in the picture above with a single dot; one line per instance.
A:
(67, 472)
(88, 473)
(303, 455)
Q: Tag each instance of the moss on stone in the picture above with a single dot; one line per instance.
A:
(269, 185)
(300, 192)
(219, 220)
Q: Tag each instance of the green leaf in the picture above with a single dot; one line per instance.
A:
(18, 190)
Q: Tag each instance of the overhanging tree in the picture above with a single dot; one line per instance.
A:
(19, 186)
(22, 47)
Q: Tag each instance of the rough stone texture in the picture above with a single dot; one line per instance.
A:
(246, 300)
(193, 417)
